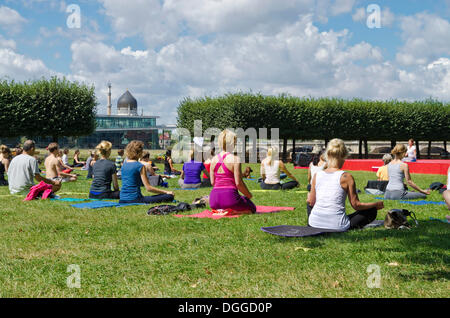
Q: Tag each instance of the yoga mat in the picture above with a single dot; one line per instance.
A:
(305, 231)
(102, 204)
(440, 220)
(69, 199)
(262, 191)
(259, 210)
(187, 189)
(420, 202)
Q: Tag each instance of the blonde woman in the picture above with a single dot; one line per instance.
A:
(270, 173)
(5, 159)
(397, 171)
(226, 178)
(104, 173)
(317, 164)
(134, 175)
(329, 191)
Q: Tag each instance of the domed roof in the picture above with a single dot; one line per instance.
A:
(125, 100)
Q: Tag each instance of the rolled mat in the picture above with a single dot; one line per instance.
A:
(211, 215)
(305, 231)
(102, 204)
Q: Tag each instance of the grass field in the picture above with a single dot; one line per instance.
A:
(125, 253)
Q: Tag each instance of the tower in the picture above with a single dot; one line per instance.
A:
(109, 100)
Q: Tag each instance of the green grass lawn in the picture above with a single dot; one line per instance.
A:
(125, 253)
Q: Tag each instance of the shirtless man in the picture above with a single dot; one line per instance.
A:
(53, 169)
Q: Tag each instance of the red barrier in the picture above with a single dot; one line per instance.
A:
(421, 166)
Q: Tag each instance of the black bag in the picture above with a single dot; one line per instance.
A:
(379, 185)
(167, 209)
(397, 219)
(435, 186)
(303, 159)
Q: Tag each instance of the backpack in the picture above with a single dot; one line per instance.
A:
(397, 219)
(303, 159)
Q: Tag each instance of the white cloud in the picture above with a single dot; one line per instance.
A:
(426, 38)
(11, 20)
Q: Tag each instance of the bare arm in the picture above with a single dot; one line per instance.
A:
(349, 185)
(242, 187)
(115, 182)
(6, 164)
(286, 171)
(312, 194)
(409, 181)
(40, 178)
(309, 174)
(211, 172)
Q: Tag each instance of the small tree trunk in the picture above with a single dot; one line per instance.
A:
(366, 149)
(429, 149)
(293, 151)
(360, 156)
(393, 143)
(445, 146)
(284, 149)
(418, 149)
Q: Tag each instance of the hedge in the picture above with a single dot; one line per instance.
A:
(321, 118)
(52, 108)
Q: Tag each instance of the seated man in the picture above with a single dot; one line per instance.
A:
(24, 168)
(53, 169)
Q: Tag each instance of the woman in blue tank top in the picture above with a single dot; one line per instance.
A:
(134, 175)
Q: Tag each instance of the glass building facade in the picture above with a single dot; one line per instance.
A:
(117, 129)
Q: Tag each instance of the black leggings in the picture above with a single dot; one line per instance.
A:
(278, 186)
(152, 199)
(358, 219)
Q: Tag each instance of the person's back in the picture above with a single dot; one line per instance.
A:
(396, 176)
(192, 172)
(271, 171)
(314, 169)
(103, 171)
(329, 209)
(51, 163)
(21, 173)
(131, 181)
(223, 174)
(382, 173)
(65, 159)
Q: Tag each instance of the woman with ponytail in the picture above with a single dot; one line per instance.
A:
(104, 173)
(397, 171)
(329, 191)
(226, 178)
(5, 159)
(270, 173)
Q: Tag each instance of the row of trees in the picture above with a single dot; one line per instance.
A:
(47, 108)
(321, 118)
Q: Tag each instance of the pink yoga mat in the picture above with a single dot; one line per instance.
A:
(259, 209)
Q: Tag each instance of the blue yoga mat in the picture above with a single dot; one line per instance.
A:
(420, 202)
(102, 204)
(187, 189)
(69, 199)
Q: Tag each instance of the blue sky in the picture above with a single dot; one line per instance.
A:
(163, 51)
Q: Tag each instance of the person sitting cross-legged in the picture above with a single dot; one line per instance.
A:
(397, 171)
(53, 168)
(191, 174)
(270, 172)
(24, 168)
(134, 175)
(226, 179)
(104, 174)
(329, 191)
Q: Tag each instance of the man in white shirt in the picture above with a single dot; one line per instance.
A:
(24, 169)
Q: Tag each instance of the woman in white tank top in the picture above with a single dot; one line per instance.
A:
(329, 191)
(446, 193)
(270, 173)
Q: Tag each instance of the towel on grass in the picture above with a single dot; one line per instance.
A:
(102, 204)
(211, 215)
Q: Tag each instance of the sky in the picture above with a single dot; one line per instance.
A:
(164, 51)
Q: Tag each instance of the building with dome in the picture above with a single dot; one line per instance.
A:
(119, 128)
